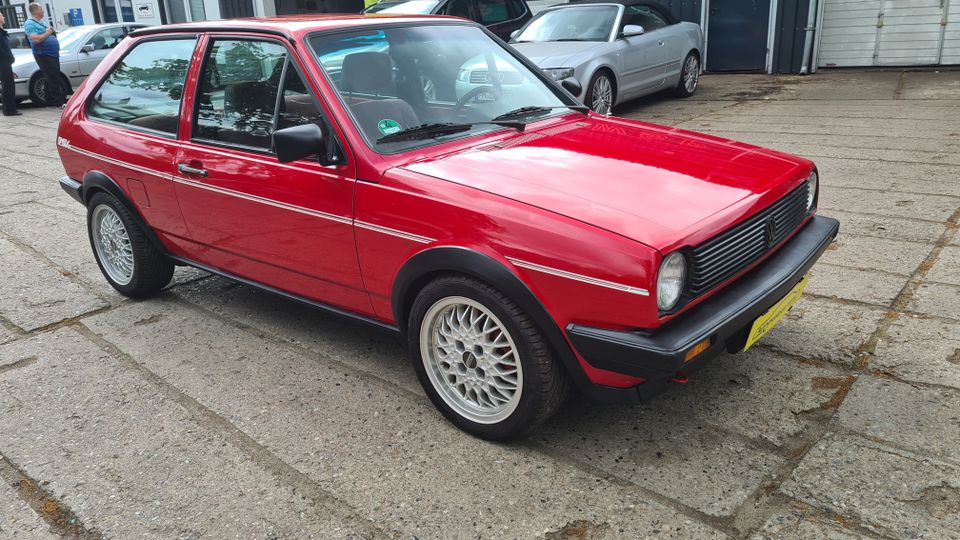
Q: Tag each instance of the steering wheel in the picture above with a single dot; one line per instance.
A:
(473, 93)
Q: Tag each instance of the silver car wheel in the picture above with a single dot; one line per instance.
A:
(471, 360)
(40, 88)
(112, 243)
(691, 74)
(601, 95)
(429, 89)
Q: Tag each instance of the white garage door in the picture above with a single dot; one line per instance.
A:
(890, 33)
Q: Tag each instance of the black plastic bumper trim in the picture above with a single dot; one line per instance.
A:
(72, 187)
(722, 317)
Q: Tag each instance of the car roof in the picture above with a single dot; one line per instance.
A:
(659, 7)
(292, 25)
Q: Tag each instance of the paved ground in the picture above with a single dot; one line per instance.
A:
(215, 410)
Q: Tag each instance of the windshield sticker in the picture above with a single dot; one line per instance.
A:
(388, 127)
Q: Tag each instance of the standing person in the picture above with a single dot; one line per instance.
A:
(6, 72)
(46, 51)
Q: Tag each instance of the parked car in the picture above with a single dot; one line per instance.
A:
(521, 243)
(618, 50)
(502, 17)
(81, 49)
(18, 42)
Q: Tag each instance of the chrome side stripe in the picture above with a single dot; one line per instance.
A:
(578, 277)
(392, 232)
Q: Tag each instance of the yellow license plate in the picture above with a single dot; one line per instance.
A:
(768, 320)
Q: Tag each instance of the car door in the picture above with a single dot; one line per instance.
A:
(97, 47)
(644, 56)
(501, 16)
(288, 226)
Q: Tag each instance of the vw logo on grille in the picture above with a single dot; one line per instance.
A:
(769, 232)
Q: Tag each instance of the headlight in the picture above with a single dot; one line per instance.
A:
(670, 279)
(464, 75)
(559, 74)
(812, 185)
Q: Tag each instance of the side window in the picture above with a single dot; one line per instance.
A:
(238, 92)
(107, 39)
(297, 106)
(493, 11)
(458, 8)
(517, 8)
(145, 87)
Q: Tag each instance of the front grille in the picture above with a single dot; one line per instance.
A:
(721, 257)
(506, 77)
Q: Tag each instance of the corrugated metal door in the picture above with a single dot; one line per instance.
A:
(890, 33)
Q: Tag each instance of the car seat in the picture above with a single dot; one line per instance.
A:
(371, 73)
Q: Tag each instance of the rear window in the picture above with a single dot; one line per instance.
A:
(145, 87)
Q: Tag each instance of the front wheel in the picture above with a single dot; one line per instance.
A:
(482, 360)
(38, 90)
(600, 93)
(689, 76)
(127, 258)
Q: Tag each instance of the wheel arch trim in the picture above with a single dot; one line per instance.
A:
(95, 181)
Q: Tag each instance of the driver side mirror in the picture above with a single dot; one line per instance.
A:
(632, 30)
(300, 142)
(572, 85)
(88, 48)
(514, 34)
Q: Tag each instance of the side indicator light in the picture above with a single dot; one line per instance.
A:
(696, 350)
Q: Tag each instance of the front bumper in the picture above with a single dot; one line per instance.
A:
(725, 317)
(73, 188)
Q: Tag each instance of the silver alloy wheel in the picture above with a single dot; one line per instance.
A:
(601, 95)
(40, 89)
(112, 243)
(691, 74)
(471, 360)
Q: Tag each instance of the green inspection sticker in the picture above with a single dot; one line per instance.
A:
(387, 126)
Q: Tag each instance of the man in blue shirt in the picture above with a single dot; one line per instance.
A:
(9, 93)
(46, 51)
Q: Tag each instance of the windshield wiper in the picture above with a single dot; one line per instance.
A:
(436, 129)
(538, 109)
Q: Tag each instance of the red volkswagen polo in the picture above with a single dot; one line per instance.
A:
(416, 174)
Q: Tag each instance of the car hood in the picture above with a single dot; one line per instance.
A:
(555, 53)
(23, 59)
(661, 186)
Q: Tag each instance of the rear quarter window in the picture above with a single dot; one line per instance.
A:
(145, 87)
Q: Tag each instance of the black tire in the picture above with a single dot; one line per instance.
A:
(544, 382)
(588, 98)
(152, 269)
(681, 89)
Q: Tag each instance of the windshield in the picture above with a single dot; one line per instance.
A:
(413, 7)
(71, 37)
(587, 23)
(398, 78)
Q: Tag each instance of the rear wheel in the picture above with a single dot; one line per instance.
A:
(482, 360)
(130, 262)
(38, 90)
(601, 93)
(689, 76)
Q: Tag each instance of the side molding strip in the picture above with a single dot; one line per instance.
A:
(579, 277)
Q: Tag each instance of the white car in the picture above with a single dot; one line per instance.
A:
(81, 49)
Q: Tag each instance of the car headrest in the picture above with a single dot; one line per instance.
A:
(99, 42)
(366, 72)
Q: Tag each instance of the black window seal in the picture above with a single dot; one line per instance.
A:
(92, 95)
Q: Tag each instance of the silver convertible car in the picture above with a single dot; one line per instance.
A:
(617, 50)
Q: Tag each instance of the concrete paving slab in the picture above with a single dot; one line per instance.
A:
(891, 492)
(7, 334)
(326, 335)
(937, 299)
(947, 267)
(760, 394)
(907, 205)
(787, 141)
(851, 132)
(18, 521)
(894, 177)
(892, 256)
(855, 284)
(842, 85)
(931, 85)
(824, 329)
(922, 349)
(383, 450)
(678, 457)
(65, 242)
(921, 419)
(132, 464)
(797, 524)
(910, 230)
(33, 294)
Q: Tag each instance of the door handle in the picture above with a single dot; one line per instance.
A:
(660, 43)
(186, 169)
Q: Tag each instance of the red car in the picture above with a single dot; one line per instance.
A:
(522, 244)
